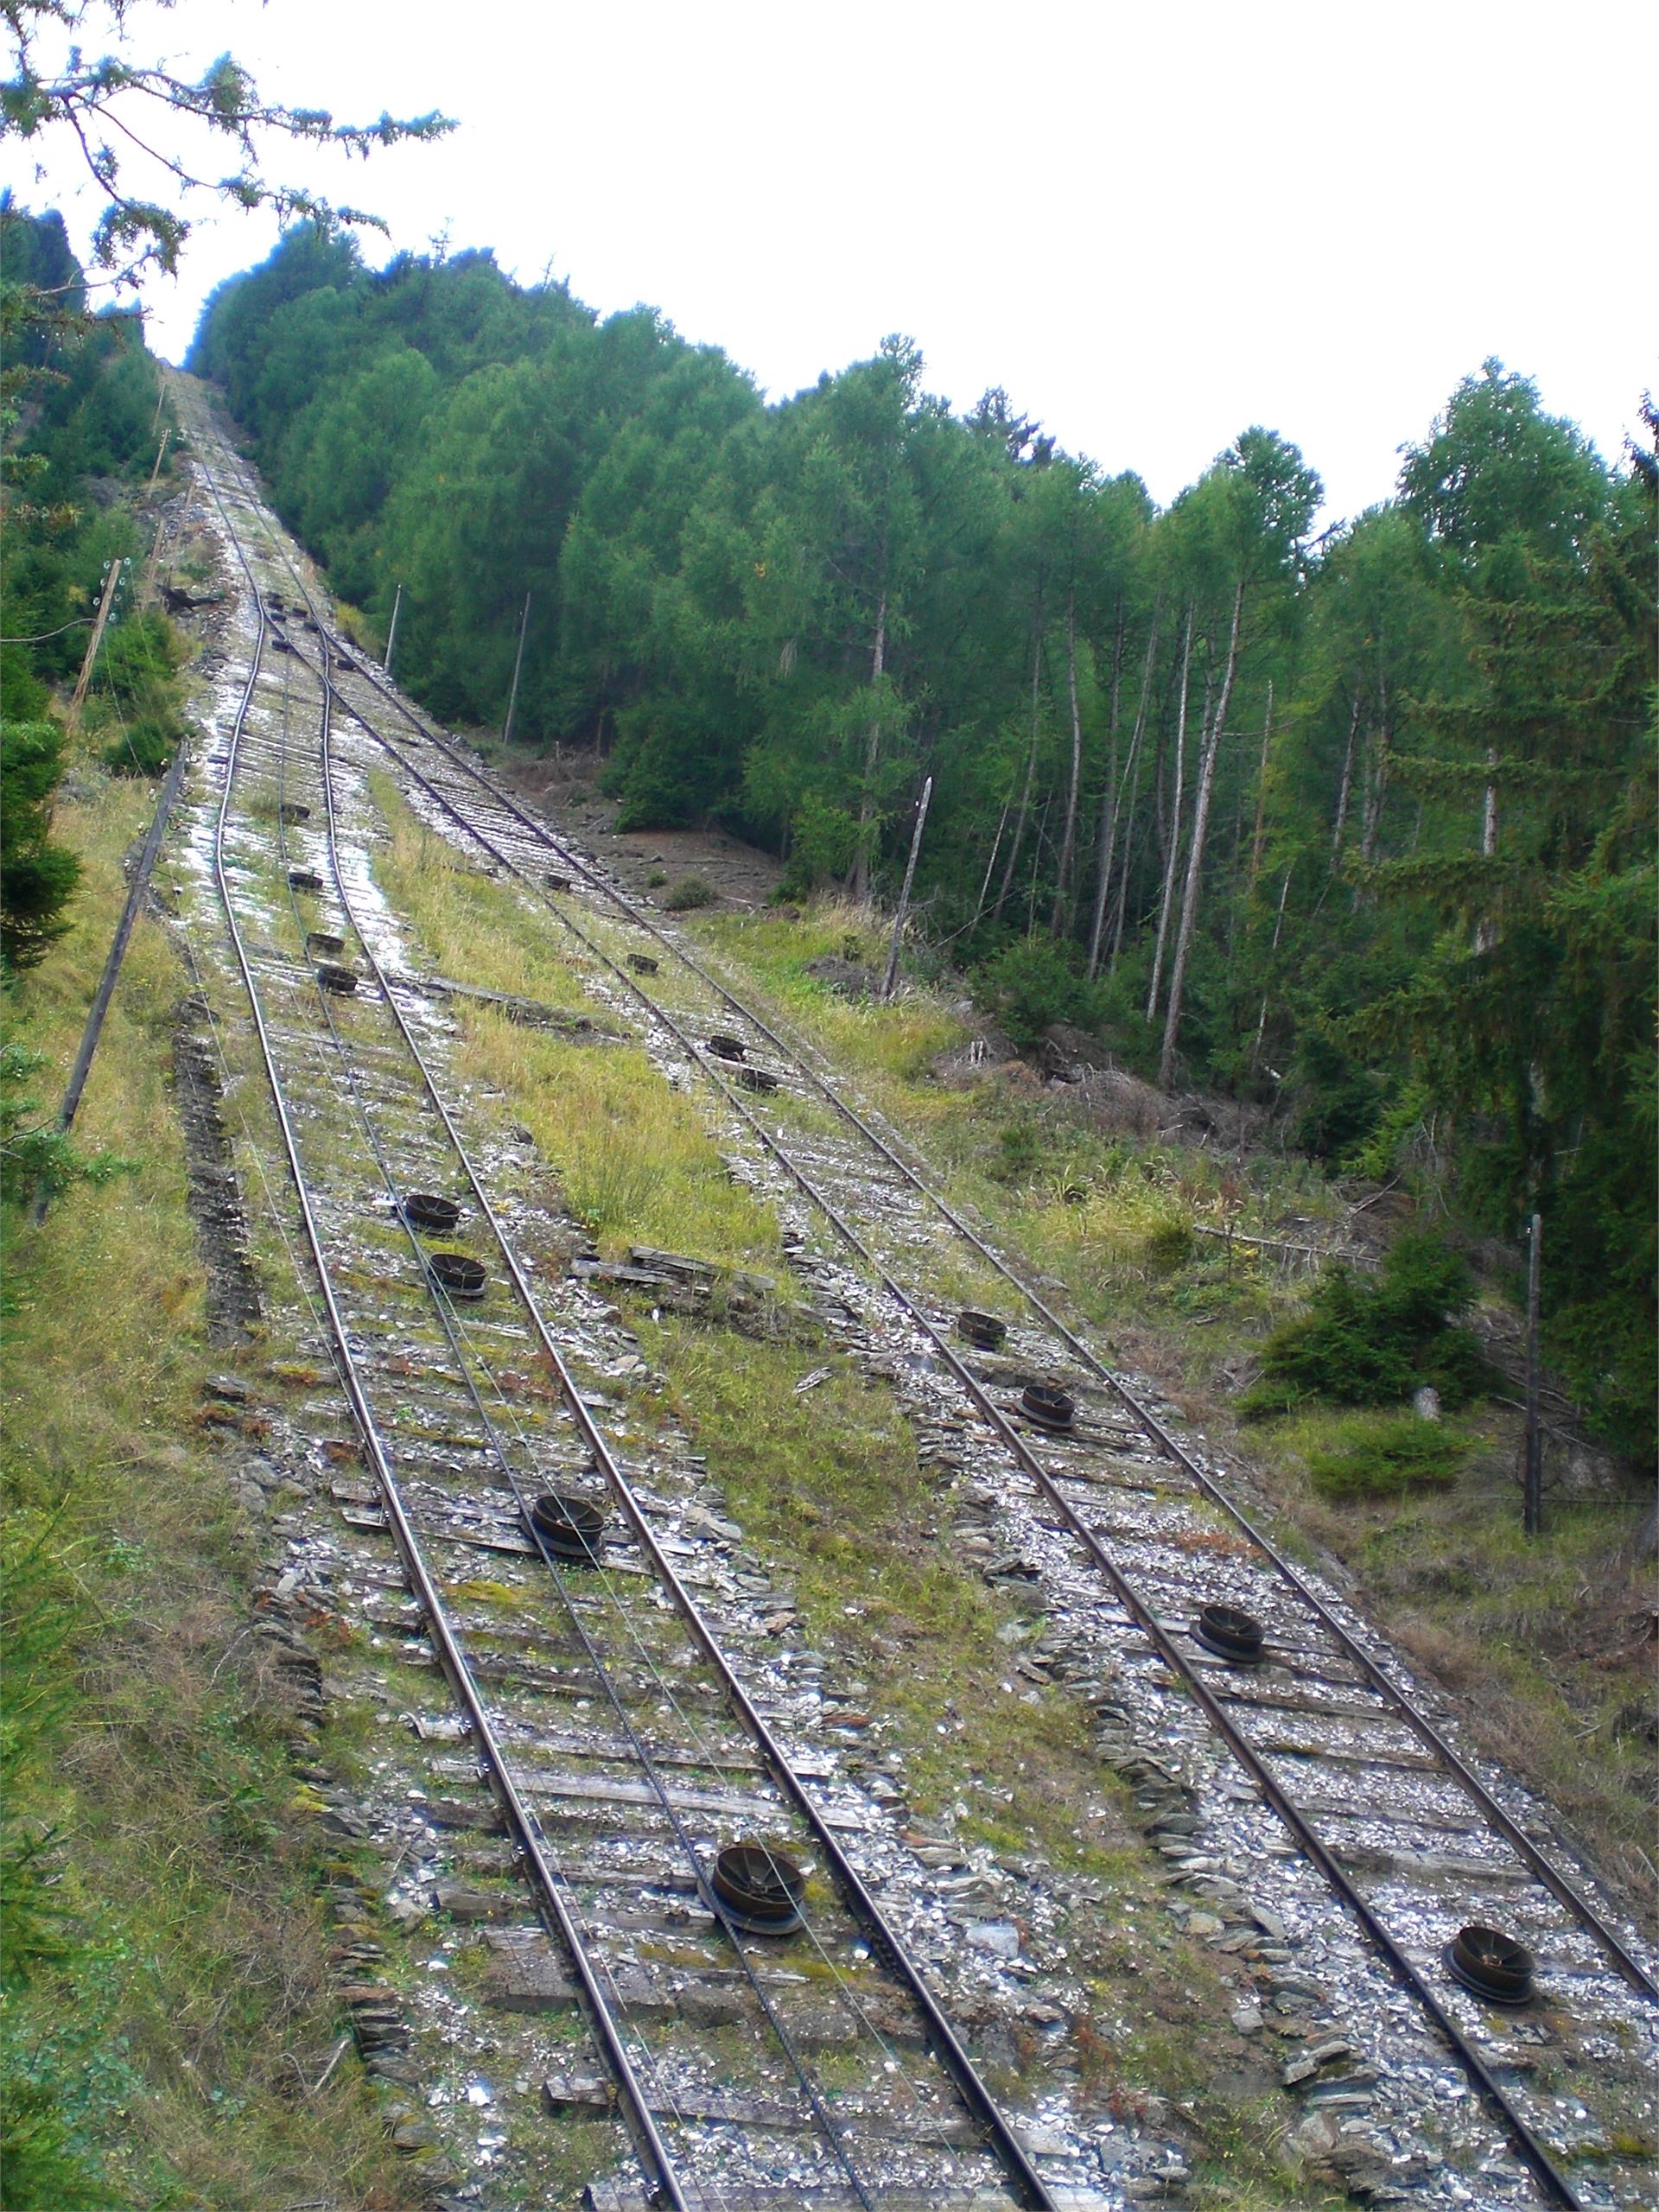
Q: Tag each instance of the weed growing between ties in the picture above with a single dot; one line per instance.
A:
(163, 2006)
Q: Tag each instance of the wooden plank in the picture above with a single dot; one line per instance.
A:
(593, 2093)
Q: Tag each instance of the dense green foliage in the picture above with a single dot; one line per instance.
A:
(36, 873)
(1360, 826)
(1372, 1342)
(79, 417)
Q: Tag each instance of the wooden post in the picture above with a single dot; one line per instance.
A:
(105, 992)
(391, 634)
(79, 699)
(1532, 1519)
(903, 896)
(518, 662)
(160, 450)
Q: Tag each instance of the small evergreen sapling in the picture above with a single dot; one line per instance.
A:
(1373, 1344)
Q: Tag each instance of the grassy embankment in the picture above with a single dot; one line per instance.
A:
(1549, 1642)
(830, 1494)
(166, 2013)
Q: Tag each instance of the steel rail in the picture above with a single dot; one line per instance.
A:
(638, 2116)
(1558, 1883)
(1531, 2150)
(1002, 2136)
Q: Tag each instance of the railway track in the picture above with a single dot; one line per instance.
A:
(357, 1100)
(1340, 1749)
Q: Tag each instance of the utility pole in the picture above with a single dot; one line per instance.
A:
(903, 896)
(160, 452)
(79, 700)
(391, 634)
(1532, 1491)
(100, 1006)
(518, 662)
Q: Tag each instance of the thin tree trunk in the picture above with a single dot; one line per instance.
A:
(1037, 865)
(1195, 854)
(1376, 791)
(1019, 819)
(1173, 845)
(996, 846)
(1259, 834)
(1345, 787)
(1261, 1018)
(1125, 874)
(861, 885)
(1059, 914)
(1112, 800)
(1485, 930)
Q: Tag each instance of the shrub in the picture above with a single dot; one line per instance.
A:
(690, 891)
(1385, 1458)
(139, 657)
(656, 879)
(1030, 985)
(823, 838)
(1367, 1343)
(144, 748)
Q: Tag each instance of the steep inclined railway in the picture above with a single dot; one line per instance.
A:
(1281, 1710)
(358, 1104)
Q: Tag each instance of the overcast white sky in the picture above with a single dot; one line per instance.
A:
(1153, 224)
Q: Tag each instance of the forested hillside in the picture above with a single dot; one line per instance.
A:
(1361, 826)
(78, 423)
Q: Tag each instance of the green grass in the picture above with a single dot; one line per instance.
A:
(154, 2024)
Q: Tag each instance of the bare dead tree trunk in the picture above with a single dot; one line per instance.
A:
(1345, 787)
(1171, 851)
(861, 884)
(1019, 819)
(1195, 853)
(1111, 805)
(1069, 833)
